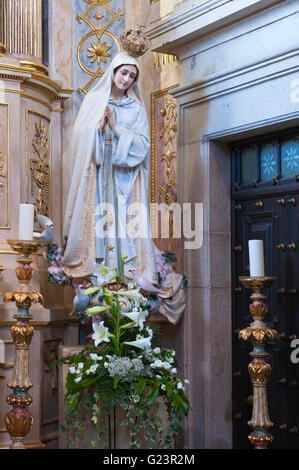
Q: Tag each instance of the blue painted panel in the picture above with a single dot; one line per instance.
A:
(97, 28)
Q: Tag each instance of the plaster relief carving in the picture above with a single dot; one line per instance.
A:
(39, 163)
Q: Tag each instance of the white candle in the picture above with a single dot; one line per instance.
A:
(2, 351)
(256, 258)
(26, 221)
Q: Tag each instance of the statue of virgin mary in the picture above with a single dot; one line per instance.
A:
(107, 209)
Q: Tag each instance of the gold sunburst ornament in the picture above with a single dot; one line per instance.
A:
(98, 51)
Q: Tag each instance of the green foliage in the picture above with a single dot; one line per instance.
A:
(123, 369)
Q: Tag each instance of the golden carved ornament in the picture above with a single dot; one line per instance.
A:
(24, 273)
(258, 309)
(257, 284)
(23, 298)
(258, 335)
(22, 334)
(262, 439)
(134, 42)
(259, 372)
(18, 425)
(19, 401)
(25, 248)
(3, 50)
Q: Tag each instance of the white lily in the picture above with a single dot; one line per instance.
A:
(100, 333)
(137, 317)
(141, 342)
(150, 331)
(133, 295)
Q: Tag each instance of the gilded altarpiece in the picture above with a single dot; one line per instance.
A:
(164, 167)
(4, 167)
(38, 162)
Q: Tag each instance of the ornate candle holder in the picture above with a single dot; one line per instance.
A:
(19, 420)
(258, 333)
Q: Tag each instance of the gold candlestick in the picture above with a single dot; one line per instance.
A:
(259, 370)
(19, 420)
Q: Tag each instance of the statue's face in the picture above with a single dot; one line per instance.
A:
(125, 77)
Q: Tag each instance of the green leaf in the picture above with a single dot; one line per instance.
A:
(72, 402)
(128, 325)
(140, 386)
(152, 394)
(115, 381)
(91, 290)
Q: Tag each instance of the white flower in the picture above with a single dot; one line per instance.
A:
(150, 331)
(134, 296)
(163, 387)
(156, 350)
(100, 333)
(93, 368)
(170, 360)
(166, 365)
(141, 342)
(80, 365)
(72, 370)
(95, 357)
(173, 370)
(136, 398)
(137, 317)
(157, 363)
(179, 386)
(77, 379)
(106, 364)
(158, 376)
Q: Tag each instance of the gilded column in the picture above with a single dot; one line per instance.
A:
(21, 31)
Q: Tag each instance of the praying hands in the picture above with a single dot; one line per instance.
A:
(107, 118)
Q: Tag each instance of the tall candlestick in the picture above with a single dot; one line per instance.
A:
(256, 258)
(26, 221)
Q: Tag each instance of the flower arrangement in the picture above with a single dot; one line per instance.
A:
(124, 367)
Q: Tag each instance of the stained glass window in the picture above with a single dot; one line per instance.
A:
(269, 162)
(289, 158)
(249, 167)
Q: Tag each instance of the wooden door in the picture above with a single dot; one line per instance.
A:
(268, 209)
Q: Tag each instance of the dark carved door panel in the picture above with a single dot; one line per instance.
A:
(269, 212)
